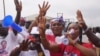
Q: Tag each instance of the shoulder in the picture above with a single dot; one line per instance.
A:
(88, 45)
(48, 36)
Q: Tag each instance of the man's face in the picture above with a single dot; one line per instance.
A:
(27, 24)
(22, 23)
(36, 43)
(37, 38)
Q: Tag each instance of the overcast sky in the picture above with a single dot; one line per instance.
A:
(90, 9)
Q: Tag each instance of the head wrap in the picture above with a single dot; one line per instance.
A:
(60, 20)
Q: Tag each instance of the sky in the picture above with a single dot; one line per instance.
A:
(89, 8)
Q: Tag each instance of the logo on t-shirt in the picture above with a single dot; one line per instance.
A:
(3, 45)
(70, 54)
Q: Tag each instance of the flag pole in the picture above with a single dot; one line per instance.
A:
(4, 7)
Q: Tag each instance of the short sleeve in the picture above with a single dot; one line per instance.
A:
(87, 45)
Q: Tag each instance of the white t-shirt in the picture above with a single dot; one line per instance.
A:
(7, 44)
(29, 53)
(24, 28)
(62, 40)
(34, 52)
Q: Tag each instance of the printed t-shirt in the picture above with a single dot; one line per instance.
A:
(72, 51)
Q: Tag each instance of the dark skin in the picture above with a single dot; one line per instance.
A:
(41, 24)
(76, 29)
(73, 42)
(42, 12)
(18, 9)
(57, 28)
(55, 47)
(46, 44)
(92, 37)
(43, 9)
(22, 23)
(23, 47)
(27, 24)
(37, 46)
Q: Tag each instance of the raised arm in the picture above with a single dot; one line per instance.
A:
(42, 12)
(84, 50)
(33, 23)
(43, 9)
(44, 41)
(23, 47)
(18, 9)
(92, 37)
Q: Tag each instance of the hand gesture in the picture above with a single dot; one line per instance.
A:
(69, 37)
(24, 45)
(41, 25)
(81, 20)
(43, 8)
(18, 5)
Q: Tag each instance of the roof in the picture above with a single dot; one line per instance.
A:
(33, 17)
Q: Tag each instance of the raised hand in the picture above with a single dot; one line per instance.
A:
(41, 25)
(43, 9)
(69, 37)
(24, 45)
(81, 20)
(18, 5)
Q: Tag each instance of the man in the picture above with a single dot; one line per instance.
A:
(25, 49)
(8, 36)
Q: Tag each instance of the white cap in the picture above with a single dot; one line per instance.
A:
(34, 30)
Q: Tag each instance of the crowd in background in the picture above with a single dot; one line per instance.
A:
(40, 38)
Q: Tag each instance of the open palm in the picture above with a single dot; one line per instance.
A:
(18, 5)
(81, 20)
(43, 9)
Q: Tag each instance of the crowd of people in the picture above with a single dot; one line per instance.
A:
(42, 39)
